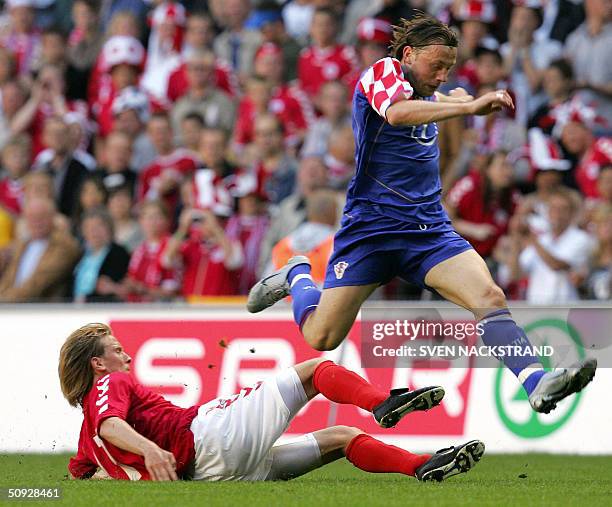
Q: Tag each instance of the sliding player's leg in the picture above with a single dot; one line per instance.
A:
(368, 454)
(465, 280)
(340, 385)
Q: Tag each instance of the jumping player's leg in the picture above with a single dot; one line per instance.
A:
(466, 281)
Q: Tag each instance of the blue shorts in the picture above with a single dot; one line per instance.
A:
(374, 248)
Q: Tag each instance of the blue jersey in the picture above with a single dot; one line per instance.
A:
(397, 168)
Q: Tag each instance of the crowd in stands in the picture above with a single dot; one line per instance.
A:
(157, 150)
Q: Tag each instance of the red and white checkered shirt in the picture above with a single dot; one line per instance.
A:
(383, 84)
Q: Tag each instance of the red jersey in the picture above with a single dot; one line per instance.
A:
(11, 195)
(317, 66)
(205, 272)
(224, 79)
(146, 267)
(119, 395)
(289, 105)
(177, 165)
(467, 196)
(587, 171)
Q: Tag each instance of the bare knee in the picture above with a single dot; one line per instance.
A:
(305, 372)
(343, 435)
(321, 341)
(490, 298)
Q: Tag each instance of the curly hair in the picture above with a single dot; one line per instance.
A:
(420, 31)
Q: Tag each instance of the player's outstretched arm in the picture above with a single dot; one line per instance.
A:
(160, 464)
(417, 112)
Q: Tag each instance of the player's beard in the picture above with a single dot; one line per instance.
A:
(420, 89)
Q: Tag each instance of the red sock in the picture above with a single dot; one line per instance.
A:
(338, 384)
(374, 456)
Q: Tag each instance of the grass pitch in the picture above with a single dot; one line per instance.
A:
(514, 480)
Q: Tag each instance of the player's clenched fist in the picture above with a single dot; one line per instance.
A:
(160, 464)
(491, 102)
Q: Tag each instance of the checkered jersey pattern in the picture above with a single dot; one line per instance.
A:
(383, 84)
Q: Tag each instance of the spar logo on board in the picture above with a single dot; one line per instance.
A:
(193, 362)
(511, 399)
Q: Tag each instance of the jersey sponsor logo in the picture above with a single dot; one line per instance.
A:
(339, 269)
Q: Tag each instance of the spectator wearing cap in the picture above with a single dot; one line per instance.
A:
(199, 36)
(147, 279)
(38, 267)
(373, 38)
(237, 43)
(480, 204)
(558, 84)
(475, 19)
(67, 172)
(591, 152)
(334, 106)
(549, 260)
(131, 113)
(324, 60)
(21, 36)
(122, 58)
(314, 238)
(86, 39)
(589, 48)
(162, 178)
(164, 47)
(127, 231)
(526, 58)
(104, 263)
(291, 212)
(115, 170)
(210, 261)
(202, 96)
(268, 19)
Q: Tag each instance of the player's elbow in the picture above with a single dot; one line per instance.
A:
(107, 428)
(393, 118)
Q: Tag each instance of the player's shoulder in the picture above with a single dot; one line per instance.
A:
(116, 377)
(387, 66)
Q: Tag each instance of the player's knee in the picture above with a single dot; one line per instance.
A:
(344, 435)
(493, 297)
(321, 341)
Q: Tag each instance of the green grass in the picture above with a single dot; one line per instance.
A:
(550, 481)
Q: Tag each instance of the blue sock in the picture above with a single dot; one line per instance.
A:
(499, 329)
(304, 292)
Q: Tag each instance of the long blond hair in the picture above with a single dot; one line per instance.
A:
(75, 371)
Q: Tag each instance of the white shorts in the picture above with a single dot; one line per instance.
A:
(233, 437)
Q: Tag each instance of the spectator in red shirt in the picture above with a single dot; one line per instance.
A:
(147, 279)
(16, 162)
(161, 179)
(287, 101)
(21, 35)
(211, 262)
(325, 60)
(480, 205)
(199, 35)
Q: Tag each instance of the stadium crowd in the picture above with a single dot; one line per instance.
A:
(158, 150)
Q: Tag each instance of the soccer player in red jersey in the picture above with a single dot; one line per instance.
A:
(131, 433)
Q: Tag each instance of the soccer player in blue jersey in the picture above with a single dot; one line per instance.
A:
(394, 223)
